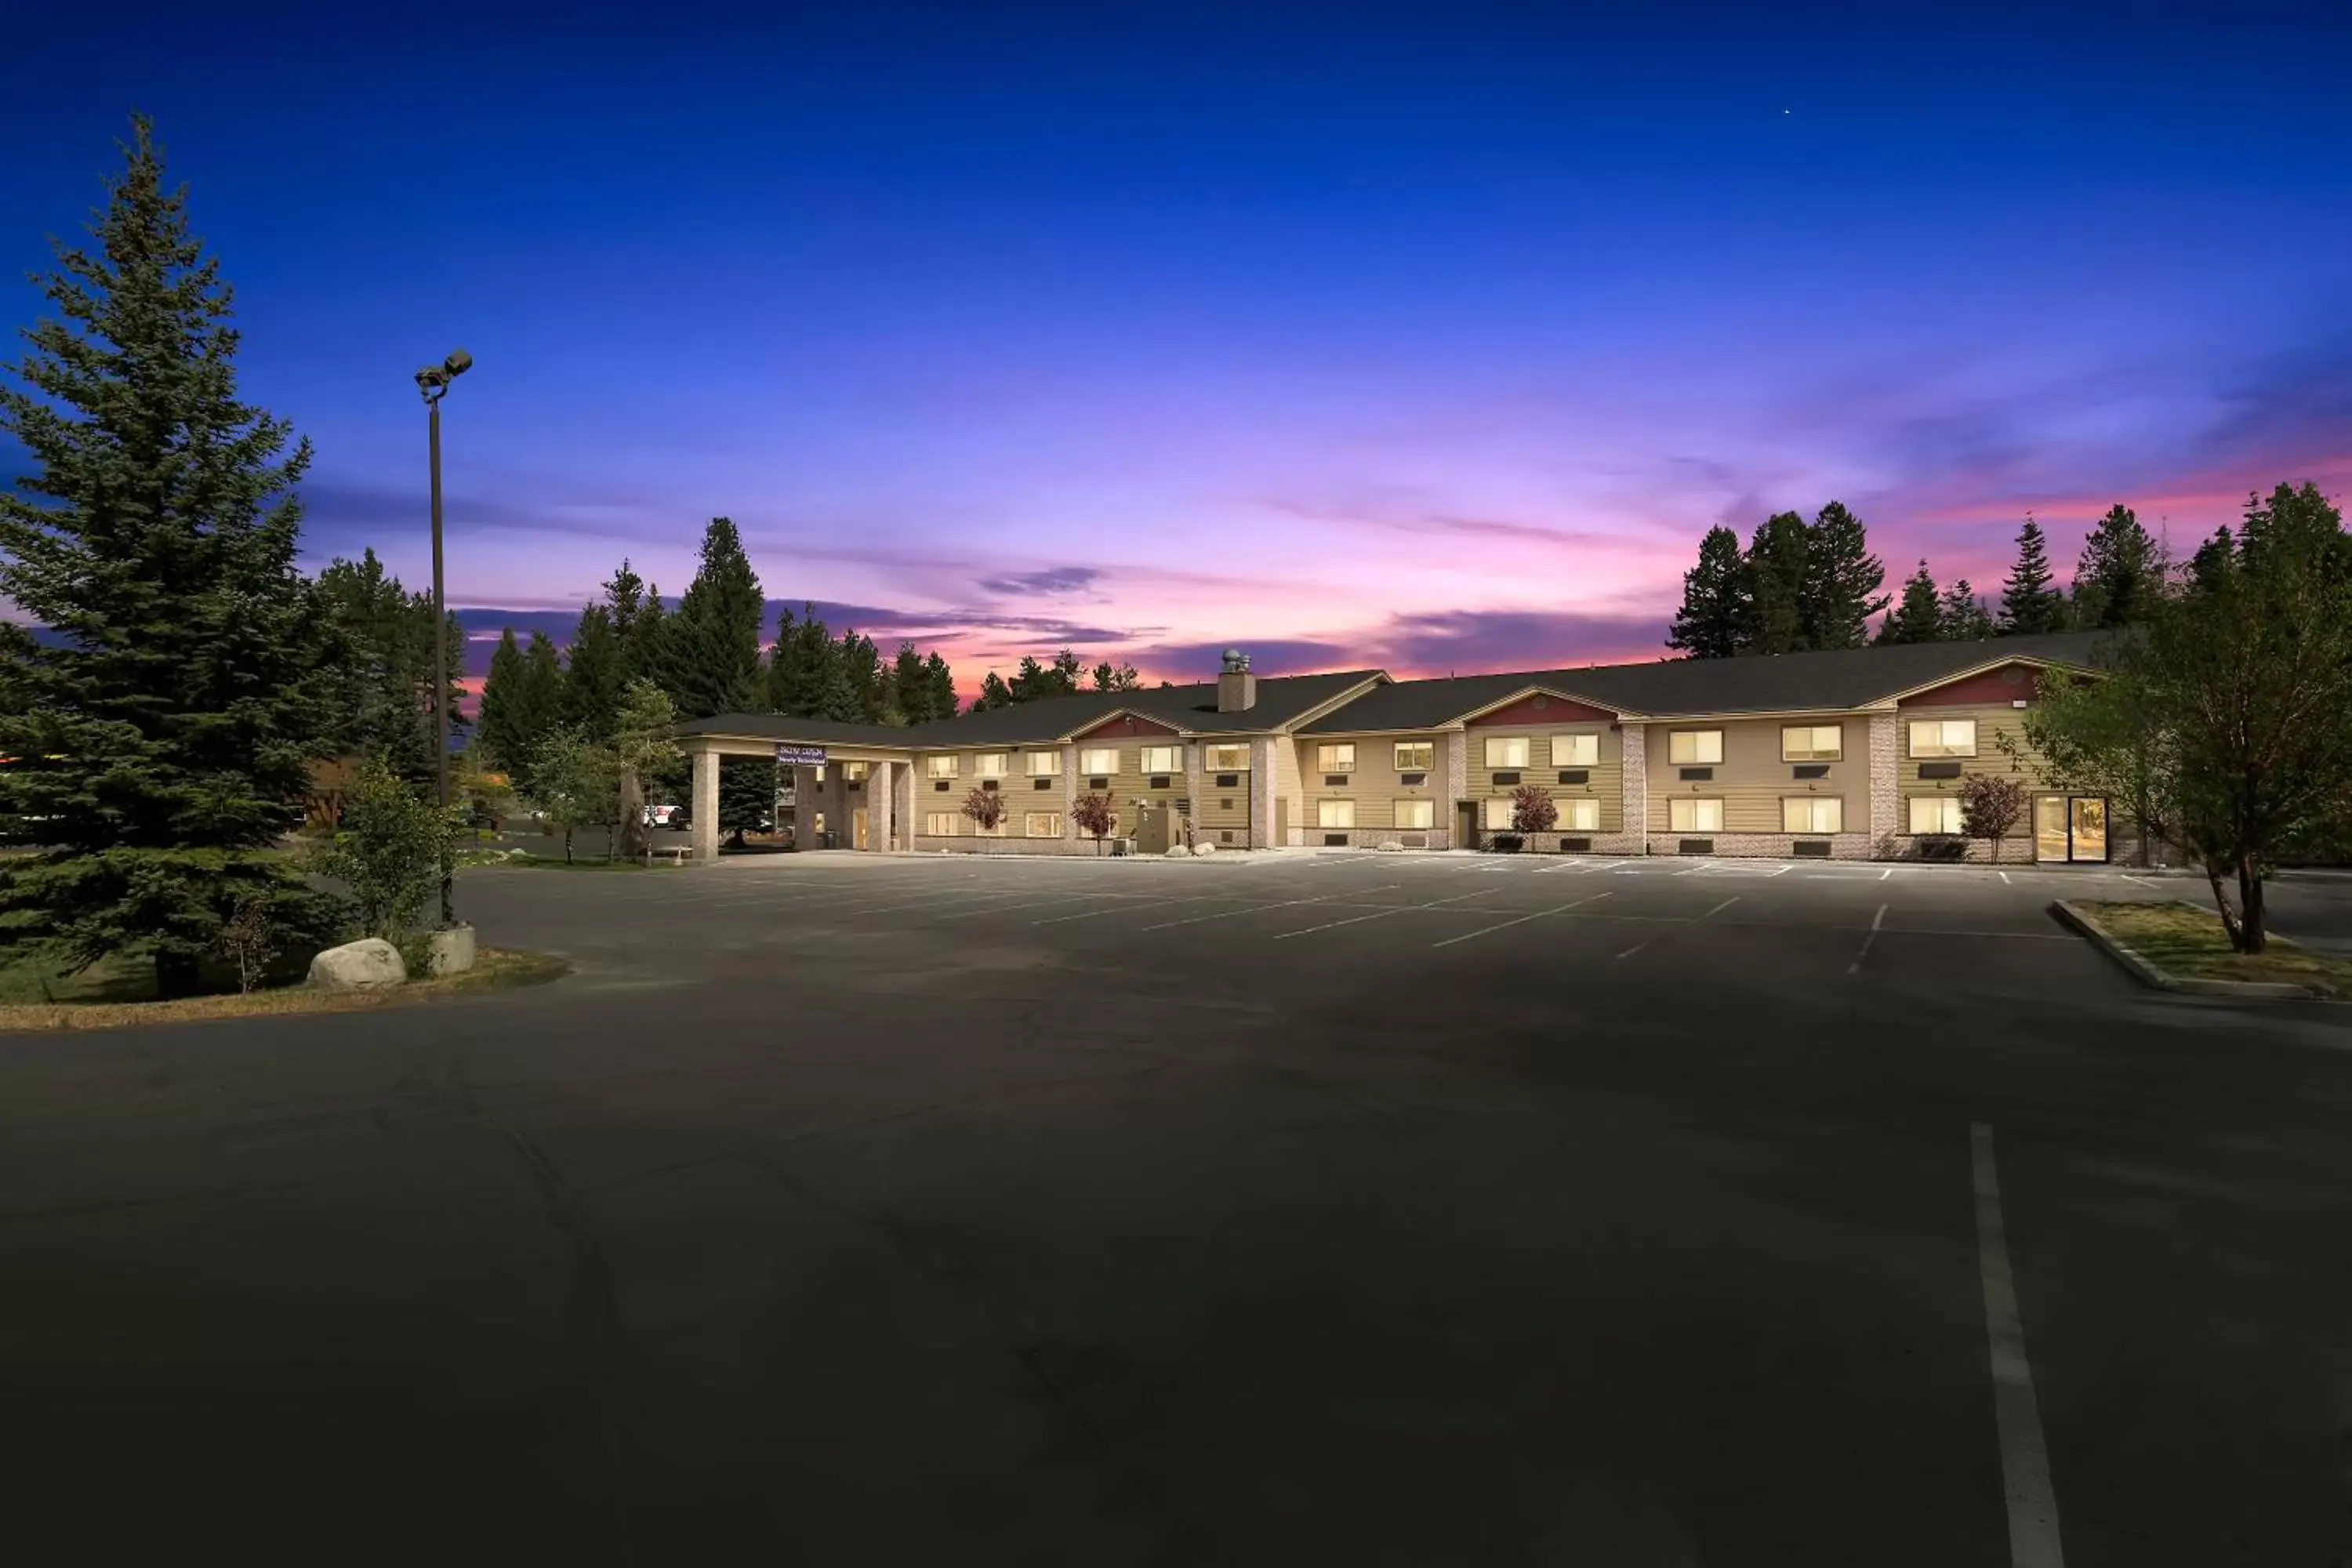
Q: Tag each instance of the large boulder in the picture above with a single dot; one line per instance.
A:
(1177, 852)
(1204, 849)
(369, 965)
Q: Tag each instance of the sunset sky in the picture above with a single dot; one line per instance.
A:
(1428, 338)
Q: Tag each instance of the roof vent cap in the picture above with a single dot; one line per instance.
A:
(1235, 661)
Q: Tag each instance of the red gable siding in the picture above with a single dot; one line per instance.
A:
(1542, 709)
(1991, 688)
(1126, 724)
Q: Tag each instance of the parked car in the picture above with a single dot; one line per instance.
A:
(665, 816)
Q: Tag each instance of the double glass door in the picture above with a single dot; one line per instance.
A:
(2070, 827)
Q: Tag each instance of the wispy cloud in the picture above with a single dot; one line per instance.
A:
(1051, 579)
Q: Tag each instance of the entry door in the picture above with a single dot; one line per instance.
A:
(857, 828)
(2070, 827)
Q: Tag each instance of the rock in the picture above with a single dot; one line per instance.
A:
(1204, 849)
(1390, 846)
(449, 952)
(369, 964)
(1177, 852)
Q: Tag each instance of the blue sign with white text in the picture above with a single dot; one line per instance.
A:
(800, 756)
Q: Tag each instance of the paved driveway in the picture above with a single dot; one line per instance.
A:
(1349, 1208)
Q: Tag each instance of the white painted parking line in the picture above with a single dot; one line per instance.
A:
(1888, 872)
(1875, 922)
(1153, 904)
(2143, 882)
(2033, 1540)
(2004, 878)
(1285, 904)
(1652, 936)
(1381, 914)
(1488, 931)
(928, 901)
(1032, 904)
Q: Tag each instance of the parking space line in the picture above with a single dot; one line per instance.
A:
(1875, 922)
(1381, 914)
(1157, 903)
(886, 909)
(1488, 931)
(1285, 904)
(1676, 920)
(2143, 882)
(2033, 1540)
(2004, 880)
(1032, 904)
(1888, 872)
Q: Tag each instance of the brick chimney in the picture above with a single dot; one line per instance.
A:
(1236, 687)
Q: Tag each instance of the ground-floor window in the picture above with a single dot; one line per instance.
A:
(1041, 824)
(1687, 814)
(1934, 813)
(1812, 813)
(1415, 813)
(939, 823)
(1335, 814)
(1579, 814)
(1494, 811)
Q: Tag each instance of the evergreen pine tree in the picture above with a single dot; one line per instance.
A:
(645, 644)
(2028, 601)
(1842, 581)
(2212, 561)
(2119, 574)
(1964, 617)
(498, 732)
(164, 734)
(910, 687)
(796, 668)
(540, 691)
(1715, 609)
(1776, 576)
(592, 675)
(1919, 617)
(624, 597)
(711, 648)
(378, 667)
(943, 686)
(861, 668)
(995, 693)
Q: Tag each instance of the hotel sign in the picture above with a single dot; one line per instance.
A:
(800, 756)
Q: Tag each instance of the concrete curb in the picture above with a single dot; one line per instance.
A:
(2149, 974)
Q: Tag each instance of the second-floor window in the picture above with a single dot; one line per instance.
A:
(1506, 751)
(1098, 760)
(939, 767)
(1336, 759)
(1163, 759)
(1415, 756)
(1694, 748)
(1943, 737)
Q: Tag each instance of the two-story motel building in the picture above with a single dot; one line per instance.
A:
(1849, 754)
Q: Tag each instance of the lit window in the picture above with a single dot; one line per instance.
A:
(1935, 814)
(939, 767)
(1812, 813)
(1045, 764)
(1575, 751)
(1098, 760)
(1415, 757)
(1416, 813)
(1494, 811)
(988, 764)
(1694, 748)
(1228, 758)
(1335, 814)
(1685, 815)
(1811, 742)
(1163, 759)
(1041, 824)
(1338, 759)
(1506, 751)
(939, 823)
(1943, 737)
(855, 772)
(1579, 813)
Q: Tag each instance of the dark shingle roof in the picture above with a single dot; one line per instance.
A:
(1843, 679)
(1280, 700)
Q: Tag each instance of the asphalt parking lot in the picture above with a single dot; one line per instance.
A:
(1376, 1209)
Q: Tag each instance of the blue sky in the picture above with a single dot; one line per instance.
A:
(1425, 337)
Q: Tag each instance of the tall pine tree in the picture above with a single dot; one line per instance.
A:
(1964, 617)
(941, 681)
(1777, 576)
(910, 687)
(2119, 574)
(378, 659)
(1918, 615)
(164, 735)
(2028, 602)
(1840, 583)
(710, 649)
(1713, 620)
(593, 674)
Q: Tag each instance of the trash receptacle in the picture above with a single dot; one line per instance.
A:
(824, 840)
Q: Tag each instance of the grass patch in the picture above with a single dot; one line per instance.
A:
(2187, 942)
(547, 862)
(121, 993)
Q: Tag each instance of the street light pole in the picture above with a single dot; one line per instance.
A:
(433, 383)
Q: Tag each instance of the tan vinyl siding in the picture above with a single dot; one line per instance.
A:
(1222, 808)
(1752, 780)
(1377, 783)
(1286, 782)
(1605, 782)
(1129, 783)
(1992, 722)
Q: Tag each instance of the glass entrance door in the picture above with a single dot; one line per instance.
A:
(2070, 827)
(2087, 826)
(857, 828)
(2050, 827)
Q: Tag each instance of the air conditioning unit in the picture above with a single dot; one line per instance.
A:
(1122, 845)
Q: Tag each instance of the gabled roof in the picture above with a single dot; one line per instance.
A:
(1281, 699)
(1838, 681)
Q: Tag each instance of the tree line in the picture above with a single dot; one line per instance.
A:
(1799, 586)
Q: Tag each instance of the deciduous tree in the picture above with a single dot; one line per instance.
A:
(388, 850)
(574, 783)
(1991, 805)
(1095, 816)
(1532, 810)
(985, 807)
